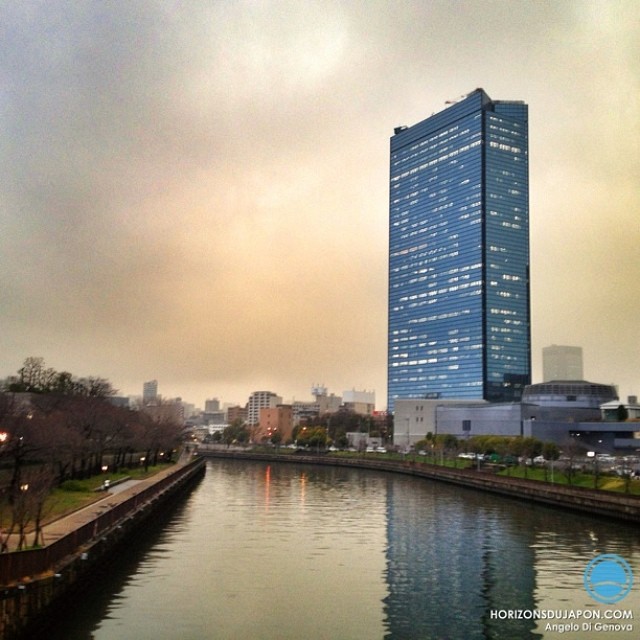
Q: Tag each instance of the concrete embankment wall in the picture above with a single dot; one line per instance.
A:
(33, 581)
(600, 503)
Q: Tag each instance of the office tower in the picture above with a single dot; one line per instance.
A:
(459, 254)
(150, 391)
(561, 363)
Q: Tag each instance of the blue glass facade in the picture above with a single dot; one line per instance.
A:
(459, 254)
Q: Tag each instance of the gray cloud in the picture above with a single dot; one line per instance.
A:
(197, 192)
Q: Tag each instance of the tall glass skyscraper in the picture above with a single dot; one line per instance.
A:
(459, 318)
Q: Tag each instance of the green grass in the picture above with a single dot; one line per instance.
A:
(76, 494)
(579, 479)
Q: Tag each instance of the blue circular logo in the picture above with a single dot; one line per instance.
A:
(608, 578)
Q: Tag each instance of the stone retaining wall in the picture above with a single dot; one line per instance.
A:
(35, 579)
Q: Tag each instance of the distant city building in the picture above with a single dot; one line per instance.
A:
(360, 402)
(214, 417)
(261, 400)
(304, 411)
(328, 403)
(459, 321)
(188, 409)
(120, 401)
(150, 392)
(166, 411)
(237, 414)
(212, 405)
(318, 390)
(562, 363)
(323, 403)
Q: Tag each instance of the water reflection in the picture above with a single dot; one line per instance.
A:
(292, 551)
(453, 556)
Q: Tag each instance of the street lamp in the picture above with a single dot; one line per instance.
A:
(408, 419)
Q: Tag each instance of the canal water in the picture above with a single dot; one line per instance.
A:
(289, 551)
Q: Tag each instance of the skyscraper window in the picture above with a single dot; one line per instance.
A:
(459, 322)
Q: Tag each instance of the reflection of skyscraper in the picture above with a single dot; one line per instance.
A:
(453, 557)
(561, 363)
(459, 254)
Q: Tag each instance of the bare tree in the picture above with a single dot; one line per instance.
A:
(40, 482)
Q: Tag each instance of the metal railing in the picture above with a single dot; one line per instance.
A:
(18, 565)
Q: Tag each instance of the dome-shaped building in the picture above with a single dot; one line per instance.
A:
(566, 400)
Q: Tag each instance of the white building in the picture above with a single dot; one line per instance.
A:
(362, 402)
(261, 400)
(414, 418)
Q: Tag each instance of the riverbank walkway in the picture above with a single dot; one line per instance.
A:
(118, 494)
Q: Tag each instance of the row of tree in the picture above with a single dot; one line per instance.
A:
(56, 427)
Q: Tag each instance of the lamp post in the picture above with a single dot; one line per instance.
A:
(408, 419)
(592, 454)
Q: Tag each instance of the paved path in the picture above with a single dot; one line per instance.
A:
(118, 493)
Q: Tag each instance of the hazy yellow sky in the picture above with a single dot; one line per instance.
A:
(197, 191)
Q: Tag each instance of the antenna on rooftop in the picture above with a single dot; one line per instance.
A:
(455, 101)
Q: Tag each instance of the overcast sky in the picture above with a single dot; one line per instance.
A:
(197, 191)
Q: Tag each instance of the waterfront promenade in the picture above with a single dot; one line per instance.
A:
(113, 515)
(109, 501)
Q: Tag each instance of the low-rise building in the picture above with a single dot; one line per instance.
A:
(414, 418)
(558, 411)
(616, 411)
(237, 414)
(275, 419)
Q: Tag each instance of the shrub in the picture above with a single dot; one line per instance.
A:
(74, 485)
